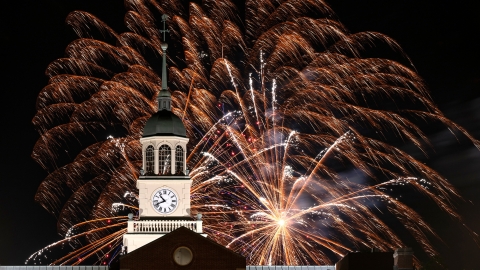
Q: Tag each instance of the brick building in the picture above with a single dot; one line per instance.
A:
(182, 249)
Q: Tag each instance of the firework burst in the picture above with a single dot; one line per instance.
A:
(290, 129)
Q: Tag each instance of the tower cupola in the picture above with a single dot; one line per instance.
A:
(164, 139)
(164, 184)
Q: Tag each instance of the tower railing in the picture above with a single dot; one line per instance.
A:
(163, 226)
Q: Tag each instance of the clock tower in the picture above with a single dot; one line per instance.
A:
(164, 184)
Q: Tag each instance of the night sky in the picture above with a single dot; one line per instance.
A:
(441, 38)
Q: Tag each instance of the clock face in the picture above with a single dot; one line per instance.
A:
(165, 201)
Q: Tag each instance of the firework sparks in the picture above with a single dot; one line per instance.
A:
(279, 108)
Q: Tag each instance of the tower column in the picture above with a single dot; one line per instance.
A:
(185, 159)
(173, 161)
(155, 154)
(144, 158)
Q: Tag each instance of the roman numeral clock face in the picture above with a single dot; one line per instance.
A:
(165, 201)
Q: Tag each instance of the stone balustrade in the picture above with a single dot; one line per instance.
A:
(162, 226)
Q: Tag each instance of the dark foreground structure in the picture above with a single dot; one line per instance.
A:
(364, 260)
(401, 259)
(182, 249)
(185, 249)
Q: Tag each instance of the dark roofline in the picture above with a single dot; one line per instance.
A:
(194, 234)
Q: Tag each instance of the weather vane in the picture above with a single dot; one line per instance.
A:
(164, 30)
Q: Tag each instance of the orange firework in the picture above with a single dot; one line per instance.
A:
(292, 132)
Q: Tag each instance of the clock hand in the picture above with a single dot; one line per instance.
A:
(163, 200)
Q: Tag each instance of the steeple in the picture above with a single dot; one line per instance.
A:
(164, 182)
(164, 98)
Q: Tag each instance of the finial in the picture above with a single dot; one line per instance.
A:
(164, 97)
(164, 30)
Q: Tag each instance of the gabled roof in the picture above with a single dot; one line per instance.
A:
(175, 235)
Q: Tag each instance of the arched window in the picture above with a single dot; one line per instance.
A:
(149, 160)
(179, 160)
(164, 160)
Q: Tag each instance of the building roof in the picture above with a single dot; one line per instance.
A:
(206, 253)
(164, 123)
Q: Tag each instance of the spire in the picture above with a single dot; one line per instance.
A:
(164, 98)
